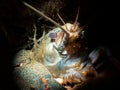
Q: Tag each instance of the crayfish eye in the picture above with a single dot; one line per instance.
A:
(52, 35)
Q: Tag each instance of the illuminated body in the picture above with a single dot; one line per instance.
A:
(60, 55)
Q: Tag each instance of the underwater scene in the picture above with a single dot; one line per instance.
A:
(58, 45)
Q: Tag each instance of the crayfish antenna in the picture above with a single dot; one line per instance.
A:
(75, 23)
(46, 17)
(63, 22)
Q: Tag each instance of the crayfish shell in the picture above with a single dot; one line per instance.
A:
(29, 75)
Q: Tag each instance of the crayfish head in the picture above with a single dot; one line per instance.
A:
(73, 31)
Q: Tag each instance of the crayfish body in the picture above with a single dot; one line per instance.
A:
(59, 60)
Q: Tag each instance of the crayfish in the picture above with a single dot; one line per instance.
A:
(59, 59)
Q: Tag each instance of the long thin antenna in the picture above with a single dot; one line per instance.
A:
(62, 21)
(46, 17)
(76, 18)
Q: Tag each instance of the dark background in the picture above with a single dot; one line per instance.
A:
(15, 20)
